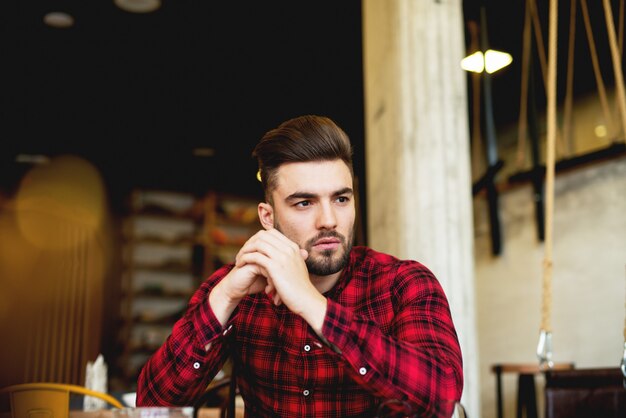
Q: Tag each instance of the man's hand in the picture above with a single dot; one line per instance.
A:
(271, 262)
(281, 262)
(238, 283)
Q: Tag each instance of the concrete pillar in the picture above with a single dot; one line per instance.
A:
(417, 151)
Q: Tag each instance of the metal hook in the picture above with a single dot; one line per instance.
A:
(544, 350)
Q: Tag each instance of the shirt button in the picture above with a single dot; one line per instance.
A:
(305, 392)
(307, 348)
(362, 371)
(196, 365)
(226, 331)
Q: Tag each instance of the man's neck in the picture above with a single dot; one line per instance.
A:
(324, 283)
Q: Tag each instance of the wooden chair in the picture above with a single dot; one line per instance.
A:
(48, 400)
(215, 397)
(585, 393)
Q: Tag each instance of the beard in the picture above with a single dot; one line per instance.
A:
(326, 262)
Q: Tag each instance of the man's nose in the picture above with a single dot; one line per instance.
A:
(326, 218)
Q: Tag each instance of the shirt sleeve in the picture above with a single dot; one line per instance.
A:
(180, 370)
(419, 360)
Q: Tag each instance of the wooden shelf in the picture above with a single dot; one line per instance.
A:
(229, 222)
(171, 243)
(170, 268)
(159, 238)
(159, 295)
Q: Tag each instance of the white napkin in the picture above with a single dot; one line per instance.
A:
(95, 379)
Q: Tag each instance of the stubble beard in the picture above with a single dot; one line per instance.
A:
(326, 262)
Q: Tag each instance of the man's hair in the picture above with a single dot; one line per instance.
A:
(302, 139)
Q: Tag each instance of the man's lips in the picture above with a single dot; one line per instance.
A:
(327, 243)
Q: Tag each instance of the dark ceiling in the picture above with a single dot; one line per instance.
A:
(136, 93)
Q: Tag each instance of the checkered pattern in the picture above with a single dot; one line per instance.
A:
(388, 334)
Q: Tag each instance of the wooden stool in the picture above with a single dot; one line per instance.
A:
(526, 393)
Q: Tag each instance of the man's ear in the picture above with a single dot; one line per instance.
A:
(266, 215)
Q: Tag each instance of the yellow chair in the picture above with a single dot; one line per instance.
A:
(48, 400)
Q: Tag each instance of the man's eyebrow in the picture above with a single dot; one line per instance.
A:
(308, 195)
(301, 195)
(345, 190)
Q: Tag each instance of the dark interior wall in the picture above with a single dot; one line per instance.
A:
(135, 94)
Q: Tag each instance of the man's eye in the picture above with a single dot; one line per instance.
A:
(303, 203)
(342, 199)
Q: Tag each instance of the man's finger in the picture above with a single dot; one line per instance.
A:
(261, 242)
(277, 300)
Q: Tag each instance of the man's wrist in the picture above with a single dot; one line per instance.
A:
(222, 303)
(314, 313)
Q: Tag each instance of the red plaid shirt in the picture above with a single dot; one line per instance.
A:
(388, 334)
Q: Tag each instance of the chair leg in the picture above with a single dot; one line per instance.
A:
(499, 393)
(526, 396)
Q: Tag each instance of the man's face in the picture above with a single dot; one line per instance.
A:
(313, 205)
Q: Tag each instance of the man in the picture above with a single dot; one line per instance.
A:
(316, 328)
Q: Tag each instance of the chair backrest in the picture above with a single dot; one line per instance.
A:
(48, 400)
(214, 397)
(585, 393)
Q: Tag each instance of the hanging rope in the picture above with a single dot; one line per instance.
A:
(596, 67)
(477, 161)
(541, 52)
(621, 27)
(617, 63)
(569, 83)
(620, 38)
(523, 101)
(544, 348)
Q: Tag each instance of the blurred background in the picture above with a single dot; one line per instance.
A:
(126, 174)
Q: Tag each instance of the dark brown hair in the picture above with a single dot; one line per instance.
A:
(302, 139)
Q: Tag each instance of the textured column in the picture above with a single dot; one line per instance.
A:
(417, 151)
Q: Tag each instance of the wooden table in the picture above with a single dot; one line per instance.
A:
(108, 413)
(215, 413)
(526, 393)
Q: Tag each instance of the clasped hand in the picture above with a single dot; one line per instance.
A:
(271, 262)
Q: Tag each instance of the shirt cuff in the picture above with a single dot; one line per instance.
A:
(336, 328)
(208, 328)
